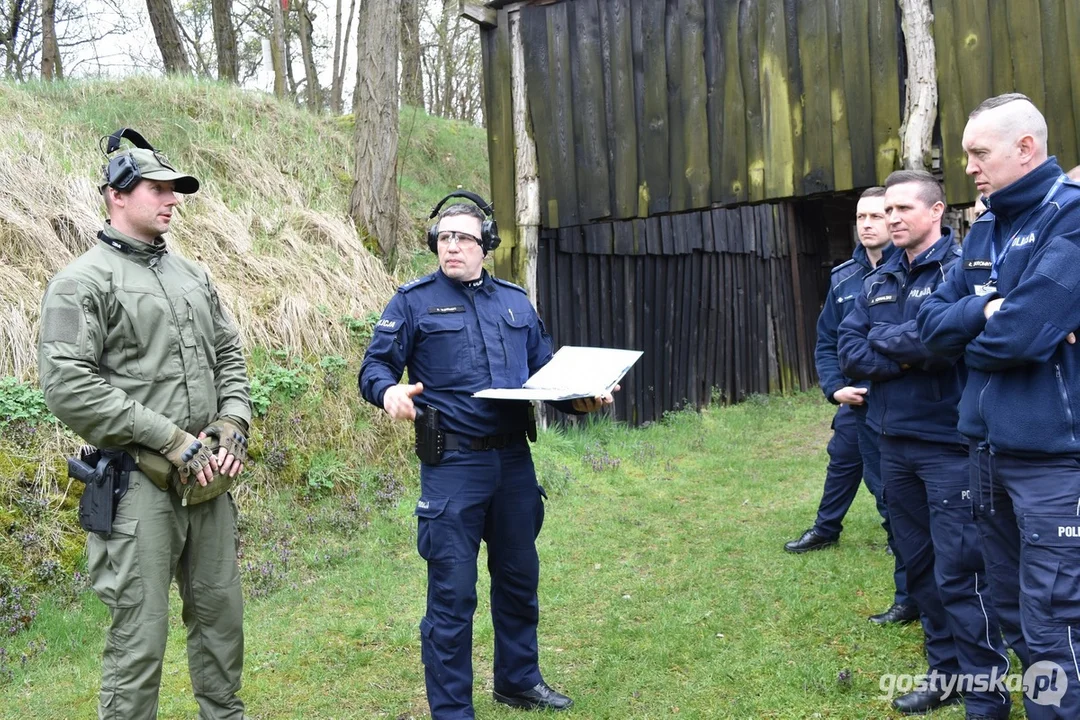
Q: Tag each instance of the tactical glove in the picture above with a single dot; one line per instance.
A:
(187, 453)
(225, 432)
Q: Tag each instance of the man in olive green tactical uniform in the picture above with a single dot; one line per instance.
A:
(136, 353)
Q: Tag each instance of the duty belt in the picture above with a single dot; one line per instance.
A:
(491, 442)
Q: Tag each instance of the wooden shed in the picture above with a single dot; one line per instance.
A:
(678, 176)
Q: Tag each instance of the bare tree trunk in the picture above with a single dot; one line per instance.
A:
(412, 81)
(167, 32)
(313, 92)
(340, 71)
(225, 41)
(447, 52)
(50, 51)
(277, 48)
(335, 84)
(920, 106)
(373, 204)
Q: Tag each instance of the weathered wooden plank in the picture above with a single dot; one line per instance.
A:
(713, 324)
(1060, 88)
(598, 238)
(498, 111)
(791, 232)
(622, 141)
(562, 111)
(593, 308)
(776, 106)
(885, 84)
(727, 347)
(623, 243)
(1072, 35)
(796, 90)
(750, 66)
(708, 245)
(694, 267)
(640, 244)
(685, 320)
(1026, 46)
(653, 237)
(589, 120)
(534, 35)
(734, 185)
(958, 188)
(671, 286)
(714, 97)
(1001, 74)
(654, 166)
(667, 235)
(697, 171)
(644, 279)
(841, 137)
(974, 54)
(659, 378)
(817, 172)
(479, 13)
(673, 30)
(855, 27)
(694, 238)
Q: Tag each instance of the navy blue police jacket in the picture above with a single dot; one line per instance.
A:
(914, 391)
(845, 281)
(458, 340)
(1023, 385)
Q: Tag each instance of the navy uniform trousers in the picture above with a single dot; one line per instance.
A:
(1028, 513)
(474, 495)
(927, 488)
(853, 457)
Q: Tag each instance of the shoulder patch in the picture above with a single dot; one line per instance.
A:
(418, 282)
(390, 325)
(507, 283)
(65, 286)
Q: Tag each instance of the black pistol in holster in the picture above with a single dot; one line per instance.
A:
(430, 440)
(105, 474)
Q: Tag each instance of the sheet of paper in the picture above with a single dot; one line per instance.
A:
(574, 372)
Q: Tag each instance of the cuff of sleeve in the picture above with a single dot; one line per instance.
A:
(236, 410)
(380, 392)
(157, 435)
(972, 312)
(830, 392)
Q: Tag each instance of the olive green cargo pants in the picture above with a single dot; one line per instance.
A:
(155, 538)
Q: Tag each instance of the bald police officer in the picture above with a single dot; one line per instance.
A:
(460, 330)
(138, 355)
(1011, 308)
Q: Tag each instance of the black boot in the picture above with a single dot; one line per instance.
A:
(899, 614)
(540, 697)
(921, 702)
(810, 540)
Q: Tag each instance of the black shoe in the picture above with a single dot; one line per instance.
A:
(541, 697)
(921, 702)
(899, 614)
(810, 540)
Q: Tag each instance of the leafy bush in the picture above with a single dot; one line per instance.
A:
(22, 402)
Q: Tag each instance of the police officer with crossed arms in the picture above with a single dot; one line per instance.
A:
(460, 330)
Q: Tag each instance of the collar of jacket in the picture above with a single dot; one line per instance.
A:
(860, 256)
(137, 250)
(1023, 194)
(488, 287)
(934, 255)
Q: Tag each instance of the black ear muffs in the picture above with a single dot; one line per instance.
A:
(489, 229)
(122, 172)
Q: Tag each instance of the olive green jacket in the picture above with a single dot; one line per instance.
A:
(134, 342)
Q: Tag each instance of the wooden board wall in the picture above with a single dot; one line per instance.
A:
(723, 302)
(641, 107)
(989, 47)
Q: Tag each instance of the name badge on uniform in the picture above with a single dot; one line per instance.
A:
(986, 289)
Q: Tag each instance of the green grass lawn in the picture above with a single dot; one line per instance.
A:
(664, 592)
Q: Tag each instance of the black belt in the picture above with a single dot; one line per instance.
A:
(491, 442)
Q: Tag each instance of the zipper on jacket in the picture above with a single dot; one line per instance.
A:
(1065, 399)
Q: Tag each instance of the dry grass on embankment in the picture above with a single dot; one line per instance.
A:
(269, 222)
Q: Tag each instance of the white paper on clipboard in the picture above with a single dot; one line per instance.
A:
(573, 372)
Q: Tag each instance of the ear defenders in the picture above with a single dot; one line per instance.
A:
(489, 229)
(122, 172)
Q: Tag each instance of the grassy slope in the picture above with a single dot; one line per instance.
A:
(664, 593)
(273, 204)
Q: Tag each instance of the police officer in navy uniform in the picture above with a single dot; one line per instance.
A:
(853, 453)
(1011, 307)
(923, 457)
(460, 330)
